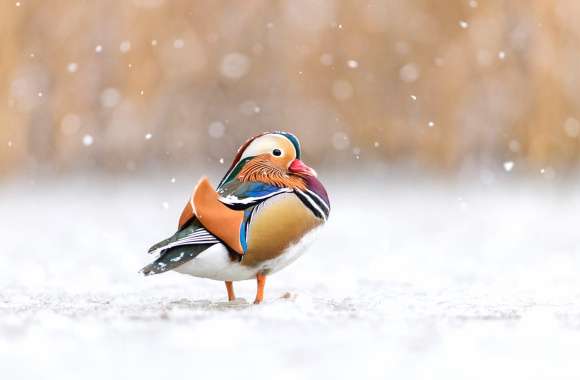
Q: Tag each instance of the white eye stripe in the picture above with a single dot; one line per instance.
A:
(266, 145)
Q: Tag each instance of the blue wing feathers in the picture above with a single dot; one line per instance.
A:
(256, 189)
(242, 195)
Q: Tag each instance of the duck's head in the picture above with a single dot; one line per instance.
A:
(273, 158)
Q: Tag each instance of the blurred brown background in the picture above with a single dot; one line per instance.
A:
(123, 85)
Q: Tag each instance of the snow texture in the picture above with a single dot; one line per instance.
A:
(408, 281)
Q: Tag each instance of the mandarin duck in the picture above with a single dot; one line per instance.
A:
(261, 218)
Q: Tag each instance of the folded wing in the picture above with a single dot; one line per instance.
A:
(184, 245)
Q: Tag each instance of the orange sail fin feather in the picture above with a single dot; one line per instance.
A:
(216, 217)
(186, 215)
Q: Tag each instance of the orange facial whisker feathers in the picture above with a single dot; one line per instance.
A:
(259, 170)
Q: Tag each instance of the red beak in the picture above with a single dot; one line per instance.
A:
(299, 167)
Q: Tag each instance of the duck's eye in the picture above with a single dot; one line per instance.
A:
(277, 152)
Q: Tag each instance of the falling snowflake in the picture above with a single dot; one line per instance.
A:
(98, 49)
(88, 140)
(148, 136)
(508, 166)
(352, 63)
(501, 55)
(463, 24)
(72, 67)
(431, 124)
(125, 47)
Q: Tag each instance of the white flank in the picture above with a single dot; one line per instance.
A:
(214, 263)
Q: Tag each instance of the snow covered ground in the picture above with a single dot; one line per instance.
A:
(410, 279)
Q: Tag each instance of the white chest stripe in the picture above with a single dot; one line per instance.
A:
(326, 206)
(233, 200)
(312, 203)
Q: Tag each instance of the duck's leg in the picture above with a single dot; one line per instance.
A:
(261, 278)
(230, 289)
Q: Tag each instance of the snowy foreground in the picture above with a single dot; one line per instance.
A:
(408, 281)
